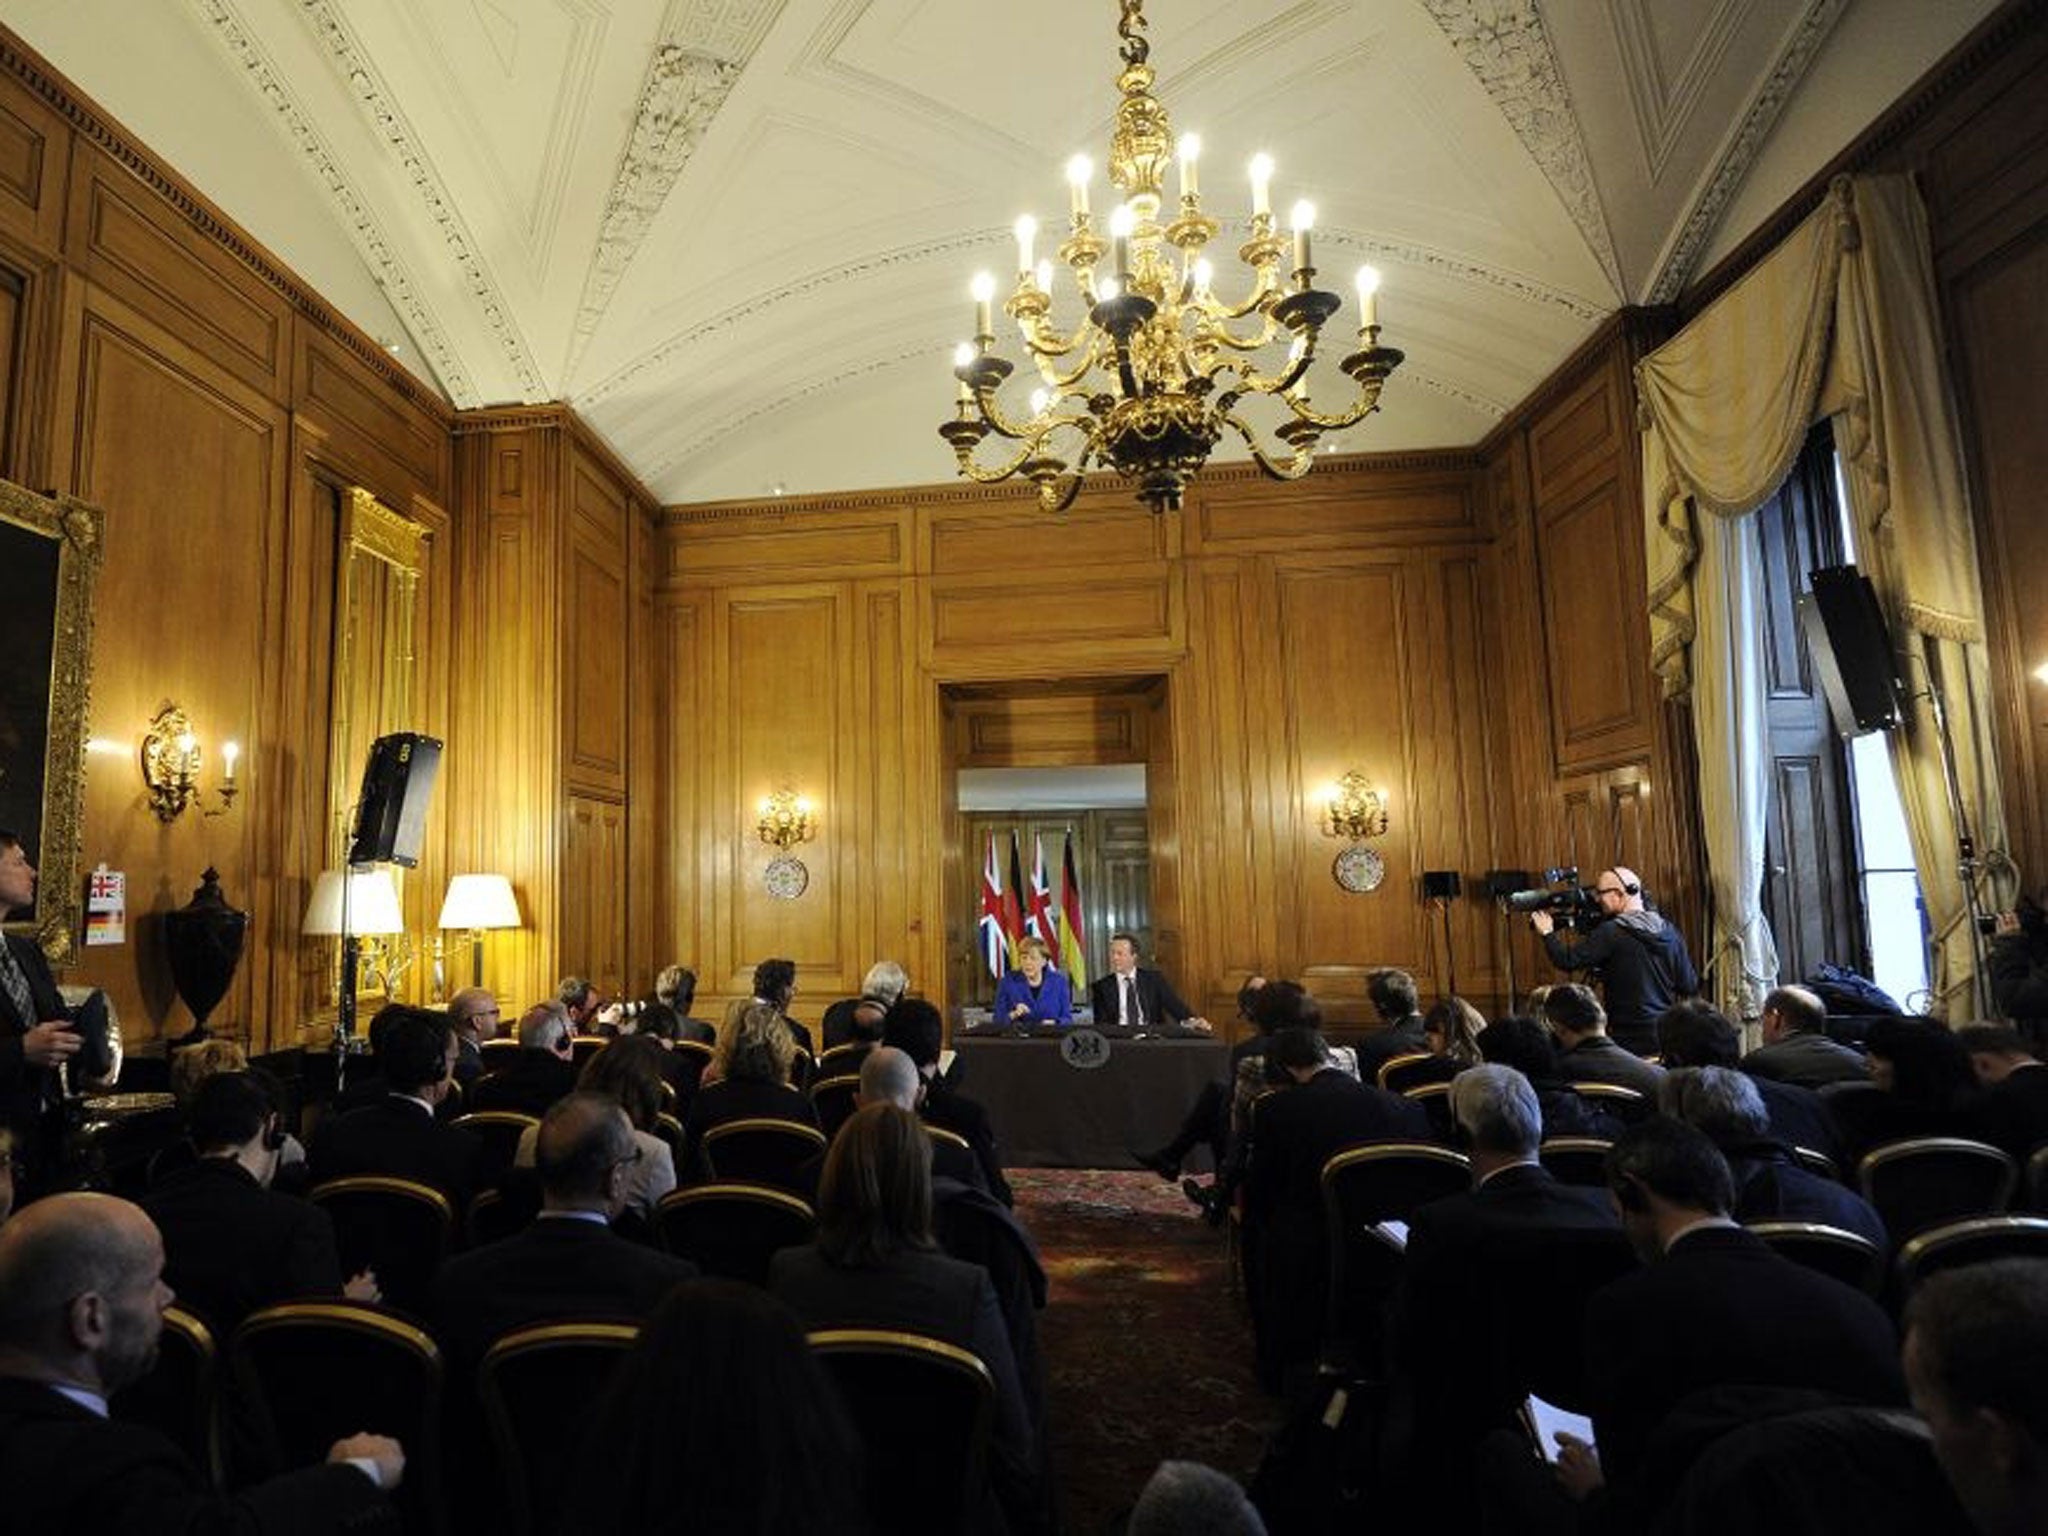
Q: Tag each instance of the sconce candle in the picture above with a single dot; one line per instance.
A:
(171, 759)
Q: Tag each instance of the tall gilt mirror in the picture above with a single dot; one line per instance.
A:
(379, 576)
(50, 554)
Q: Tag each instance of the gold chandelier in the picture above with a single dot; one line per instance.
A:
(1147, 383)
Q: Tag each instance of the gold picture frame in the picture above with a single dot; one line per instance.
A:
(50, 550)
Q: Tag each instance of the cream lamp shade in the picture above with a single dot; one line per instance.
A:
(372, 904)
(479, 901)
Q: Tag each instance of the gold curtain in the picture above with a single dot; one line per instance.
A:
(1839, 321)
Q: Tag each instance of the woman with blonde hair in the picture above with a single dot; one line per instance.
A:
(1033, 992)
(748, 1078)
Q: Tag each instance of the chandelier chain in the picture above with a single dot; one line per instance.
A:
(1131, 28)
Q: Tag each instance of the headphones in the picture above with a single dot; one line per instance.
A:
(274, 1133)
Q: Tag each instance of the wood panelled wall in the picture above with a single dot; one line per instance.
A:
(155, 361)
(1419, 618)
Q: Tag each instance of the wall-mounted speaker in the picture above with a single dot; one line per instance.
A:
(1852, 650)
(1441, 885)
(1505, 882)
(391, 817)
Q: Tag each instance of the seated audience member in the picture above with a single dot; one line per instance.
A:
(1584, 1053)
(889, 1076)
(568, 1263)
(676, 988)
(1033, 992)
(541, 1073)
(1977, 1362)
(876, 1265)
(914, 1027)
(1770, 1185)
(191, 1067)
(1694, 1033)
(362, 1081)
(231, 1243)
(1925, 1087)
(1185, 1498)
(1450, 1034)
(582, 1002)
(1456, 1325)
(1208, 1118)
(1713, 1306)
(1520, 1042)
(6, 1174)
(473, 1015)
(854, 1019)
(767, 1448)
(1393, 996)
(81, 1311)
(399, 1137)
(2018, 969)
(775, 986)
(748, 1078)
(1134, 997)
(2012, 1111)
(1797, 1048)
(1320, 1112)
(628, 1072)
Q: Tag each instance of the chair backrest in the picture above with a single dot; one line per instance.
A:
(1933, 1180)
(583, 1047)
(524, 1382)
(761, 1151)
(732, 1230)
(832, 1098)
(496, 1214)
(670, 1130)
(1398, 1074)
(905, 1389)
(398, 1227)
(1817, 1162)
(312, 1372)
(1576, 1159)
(1618, 1099)
(950, 1137)
(1977, 1240)
(179, 1397)
(802, 1069)
(2037, 1178)
(499, 1130)
(840, 1060)
(1435, 1099)
(1363, 1186)
(494, 1054)
(1846, 1256)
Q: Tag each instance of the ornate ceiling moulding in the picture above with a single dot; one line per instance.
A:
(48, 86)
(1504, 45)
(556, 418)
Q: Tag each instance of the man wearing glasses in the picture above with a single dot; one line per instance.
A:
(1640, 959)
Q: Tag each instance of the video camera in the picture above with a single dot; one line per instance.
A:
(1572, 904)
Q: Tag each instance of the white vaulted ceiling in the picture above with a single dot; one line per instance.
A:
(736, 234)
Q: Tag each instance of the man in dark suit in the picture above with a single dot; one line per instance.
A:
(1770, 1184)
(1713, 1307)
(1297, 1130)
(1694, 1033)
(1394, 999)
(1585, 1054)
(568, 1263)
(81, 1310)
(1466, 1348)
(914, 1027)
(473, 1014)
(231, 1243)
(2013, 1110)
(775, 985)
(1136, 997)
(543, 1071)
(399, 1137)
(36, 1036)
(1797, 1048)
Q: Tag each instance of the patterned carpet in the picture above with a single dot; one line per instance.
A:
(1148, 1352)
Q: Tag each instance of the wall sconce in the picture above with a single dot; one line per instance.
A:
(363, 911)
(474, 904)
(171, 759)
(1354, 810)
(786, 819)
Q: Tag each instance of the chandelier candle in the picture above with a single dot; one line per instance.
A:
(1158, 366)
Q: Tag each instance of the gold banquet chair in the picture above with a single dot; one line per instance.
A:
(180, 1395)
(1836, 1252)
(1932, 1180)
(524, 1381)
(1977, 1240)
(833, 1100)
(732, 1230)
(906, 1389)
(760, 1151)
(400, 1228)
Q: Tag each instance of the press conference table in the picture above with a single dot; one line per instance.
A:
(1049, 1114)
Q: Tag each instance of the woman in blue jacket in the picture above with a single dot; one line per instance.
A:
(1034, 993)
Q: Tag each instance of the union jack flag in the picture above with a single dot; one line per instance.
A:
(995, 941)
(1039, 918)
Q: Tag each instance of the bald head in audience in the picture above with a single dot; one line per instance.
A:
(889, 1076)
(584, 1148)
(82, 1293)
(474, 1013)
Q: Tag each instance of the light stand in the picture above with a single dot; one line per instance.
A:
(1967, 866)
(1441, 887)
(1501, 884)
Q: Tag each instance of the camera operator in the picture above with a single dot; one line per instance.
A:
(1640, 958)
(2019, 969)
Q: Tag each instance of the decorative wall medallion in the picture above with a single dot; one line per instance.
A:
(1358, 869)
(786, 877)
